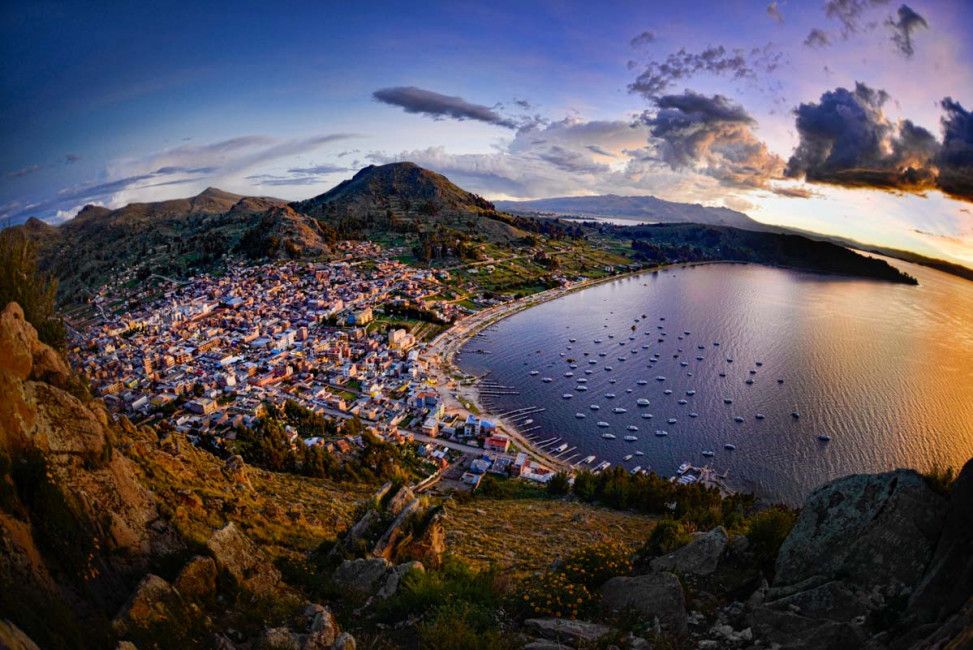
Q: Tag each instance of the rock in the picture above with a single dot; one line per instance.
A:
(363, 575)
(345, 641)
(394, 577)
(13, 637)
(656, 595)
(789, 630)
(125, 645)
(544, 644)
(872, 530)
(400, 500)
(236, 554)
(430, 546)
(324, 630)
(235, 469)
(355, 533)
(280, 638)
(197, 580)
(559, 629)
(700, 556)
(833, 600)
(17, 338)
(386, 544)
(153, 600)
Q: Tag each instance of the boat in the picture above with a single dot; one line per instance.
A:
(628, 390)
(646, 416)
(738, 419)
(727, 400)
(660, 378)
(708, 453)
(642, 402)
(682, 401)
(608, 368)
(597, 340)
(759, 363)
(683, 468)
(611, 336)
(560, 448)
(690, 392)
(587, 459)
(603, 465)
(640, 453)
(603, 424)
(594, 407)
(612, 381)
(661, 433)
(582, 380)
(824, 437)
(580, 415)
(753, 372)
(582, 387)
(760, 416)
(631, 438)
(749, 382)
(667, 391)
(627, 458)
(632, 427)
(587, 372)
(608, 436)
(547, 380)
(610, 395)
(534, 373)
(700, 347)
(567, 396)
(592, 362)
(671, 420)
(694, 414)
(683, 364)
(636, 469)
(602, 354)
(780, 381)
(722, 374)
(730, 446)
(618, 409)
(729, 360)
(572, 340)
(795, 415)
(569, 374)
(573, 366)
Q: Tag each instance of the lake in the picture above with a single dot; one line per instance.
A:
(886, 370)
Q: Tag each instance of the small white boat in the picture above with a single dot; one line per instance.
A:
(690, 392)
(582, 380)
(608, 368)
(612, 381)
(588, 459)
(727, 400)
(587, 372)
(646, 416)
(795, 415)
(569, 374)
(640, 453)
(667, 391)
(547, 380)
(738, 419)
(708, 453)
(730, 446)
(618, 409)
(561, 353)
(824, 437)
(582, 388)
(636, 469)
(760, 416)
(567, 396)
(661, 433)
(682, 401)
(580, 415)
(534, 373)
(683, 364)
(627, 458)
(642, 402)
(594, 407)
(602, 354)
(694, 414)
(572, 340)
(632, 427)
(593, 362)
(610, 395)
(573, 366)
(597, 340)
(608, 436)
(603, 424)
(603, 465)
(641, 382)
(683, 468)
(631, 438)
(660, 378)
(628, 390)
(749, 382)
(671, 420)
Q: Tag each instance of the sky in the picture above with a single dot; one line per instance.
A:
(847, 117)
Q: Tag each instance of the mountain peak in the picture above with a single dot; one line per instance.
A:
(217, 193)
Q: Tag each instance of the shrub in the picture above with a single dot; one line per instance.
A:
(21, 282)
(666, 537)
(559, 484)
(940, 479)
(768, 530)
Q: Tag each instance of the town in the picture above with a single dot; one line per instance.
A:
(208, 356)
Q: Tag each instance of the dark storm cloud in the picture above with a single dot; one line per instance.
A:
(956, 155)
(817, 38)
(908, 22)
(713, 136)
(773, 10)
(738, 64)
(643, 39)
(438, 106)
(845, 139)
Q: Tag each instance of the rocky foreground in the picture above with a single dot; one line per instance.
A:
(100, 546)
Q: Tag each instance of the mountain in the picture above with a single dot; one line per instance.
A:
(645, 208)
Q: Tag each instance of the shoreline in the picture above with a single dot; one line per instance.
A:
(443, 348)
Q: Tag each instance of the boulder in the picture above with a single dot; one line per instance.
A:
(345, 641)
(394, 577)
(237, 555)
(700, 556)
(197, 580)
(652, 596)
(363, 576)
(386, 544)
(49, 367)
(870, 529)
(153, 600)
(789, 630)
(235, 469)
(560, 629)
(430, 546)
(16, 337)
(13, 637)
(323, 629)
(402, 498)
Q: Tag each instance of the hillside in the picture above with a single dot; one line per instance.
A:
(642, 208)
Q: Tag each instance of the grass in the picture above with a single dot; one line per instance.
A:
(528, 535)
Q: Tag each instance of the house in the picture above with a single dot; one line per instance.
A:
(431, 426)
(497, 443)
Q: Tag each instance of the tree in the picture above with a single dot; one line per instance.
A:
(21, 282)
(559, 484)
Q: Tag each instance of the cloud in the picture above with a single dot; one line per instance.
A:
(817, 38)
(850, 13)
(773, 10)
(658, 76)
(438, 106)
(26, 171)
(643, 39)
(711, 136)
(71, 158)
(955, 158)
(593, 148)
(846, 140)
(908, 22)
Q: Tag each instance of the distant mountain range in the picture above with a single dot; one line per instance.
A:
(641, 208)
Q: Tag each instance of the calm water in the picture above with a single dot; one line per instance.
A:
(886, 370)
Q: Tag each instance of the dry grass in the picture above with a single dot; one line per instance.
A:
(528, 535)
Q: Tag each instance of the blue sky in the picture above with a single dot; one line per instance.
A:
(825, 115)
